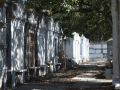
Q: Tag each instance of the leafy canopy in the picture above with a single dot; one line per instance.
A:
(53, 6)
(89, 17)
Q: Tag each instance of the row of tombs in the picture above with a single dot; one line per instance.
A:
(76, 48)
(32, 45)
(28, 43)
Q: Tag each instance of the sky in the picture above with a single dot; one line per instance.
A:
(24, 0)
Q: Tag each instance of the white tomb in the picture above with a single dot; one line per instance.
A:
(77, 48)
(3, 67)
(15, 35)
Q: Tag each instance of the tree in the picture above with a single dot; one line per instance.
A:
(98, 22)
(89, 17)
(51, 7)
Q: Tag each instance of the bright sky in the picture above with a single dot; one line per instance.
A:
(24, 0)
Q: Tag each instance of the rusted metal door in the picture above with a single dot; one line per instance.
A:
(30, 49)
(30, 54)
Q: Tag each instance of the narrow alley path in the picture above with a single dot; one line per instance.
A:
(87, 76)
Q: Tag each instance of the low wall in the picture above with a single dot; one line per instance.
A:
(98, 51)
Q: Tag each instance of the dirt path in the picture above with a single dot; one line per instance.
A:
(87, 76)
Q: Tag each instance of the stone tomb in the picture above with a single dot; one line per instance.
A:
(15, 36)
(3, 68)
(30, 44)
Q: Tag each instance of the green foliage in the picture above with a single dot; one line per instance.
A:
(52, 5)
(83, 16)
(97, 25)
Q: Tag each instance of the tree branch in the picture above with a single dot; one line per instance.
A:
(83, 10)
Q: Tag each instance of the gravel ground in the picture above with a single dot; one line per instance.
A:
(65, 77)
(62, 80)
